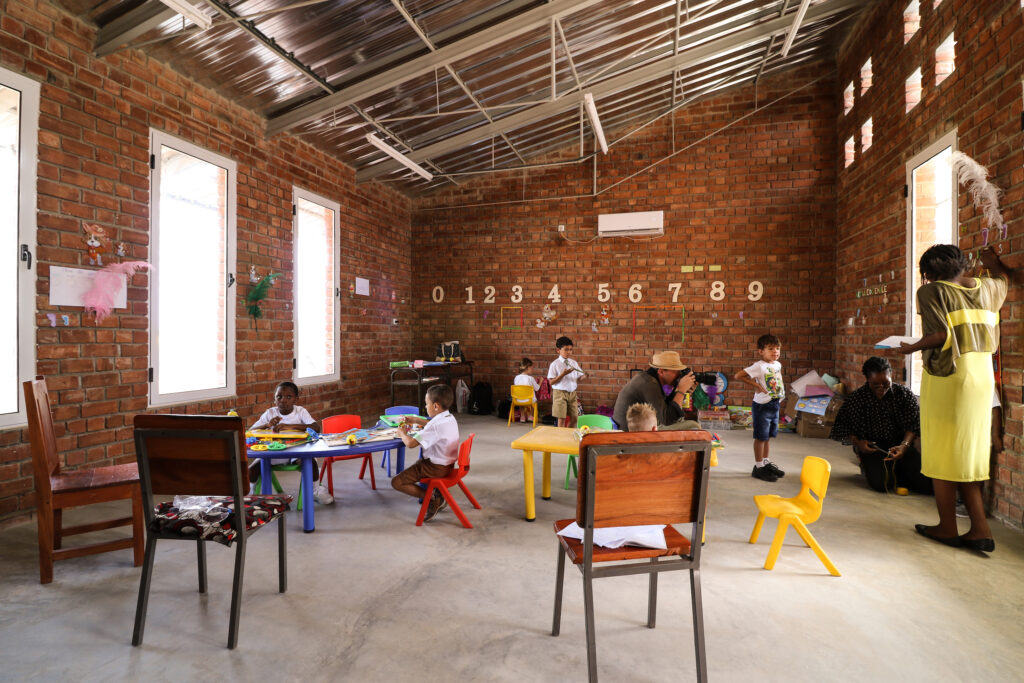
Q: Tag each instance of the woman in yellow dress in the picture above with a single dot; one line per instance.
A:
(960, 321)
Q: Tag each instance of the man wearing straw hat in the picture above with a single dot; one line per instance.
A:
(666, 369)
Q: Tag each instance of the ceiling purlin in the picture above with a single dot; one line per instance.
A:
(443, 56)
(708, 47)
(451, 71)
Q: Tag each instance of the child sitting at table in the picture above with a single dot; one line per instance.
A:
(440, 441)
(285, 416)
(524, 378)
(641, 418)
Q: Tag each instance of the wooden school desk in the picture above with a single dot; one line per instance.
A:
(547, 440)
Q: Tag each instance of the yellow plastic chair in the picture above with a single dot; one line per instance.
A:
(522, 395)
(797, 512)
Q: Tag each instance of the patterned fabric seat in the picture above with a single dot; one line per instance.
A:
(209, 523)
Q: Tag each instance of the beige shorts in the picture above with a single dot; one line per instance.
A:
(563, 403)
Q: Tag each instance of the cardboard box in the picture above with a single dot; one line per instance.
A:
(790, 409)
(812, 428)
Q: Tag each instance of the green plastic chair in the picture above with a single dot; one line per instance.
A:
(287, 467)
(599, 421)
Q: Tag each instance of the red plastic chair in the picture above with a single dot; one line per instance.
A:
(442, 484)
(336, 425)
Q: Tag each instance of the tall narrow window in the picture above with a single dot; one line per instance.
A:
(848, 98)
(19, 130)
(317, 222)
(930, 216)
(911, 20)
(849, 152)
(865, 77)
(913, 92)
(945, 59)
(866, 132)
(192, 318)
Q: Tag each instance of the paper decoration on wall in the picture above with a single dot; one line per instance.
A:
(362, 286)
(487, 312)
(52, 317)
(547, 316)
(121, 250)
(94, 236)
(258, 293)
(510, 321)
(682, 322)
(604, 317)
(253, 275)
(593, 327)
(69, 285)
(66, 320)
(984, 194)
(107, 285)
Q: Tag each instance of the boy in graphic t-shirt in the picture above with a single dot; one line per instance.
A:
(765, 376)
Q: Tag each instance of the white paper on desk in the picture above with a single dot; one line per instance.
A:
(895, 341)
(645, 536)
(68, 285)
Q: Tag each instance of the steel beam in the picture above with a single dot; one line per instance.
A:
(615, 84)
(131, 25)
(539, 17)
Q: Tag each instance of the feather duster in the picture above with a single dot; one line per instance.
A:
(105, 286)
(258, 293)
(984, 194)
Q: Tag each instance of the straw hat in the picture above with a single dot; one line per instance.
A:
(667, 360)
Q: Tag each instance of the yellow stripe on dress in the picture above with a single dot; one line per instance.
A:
(969, 316)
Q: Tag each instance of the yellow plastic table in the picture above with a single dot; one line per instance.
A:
(547, 440)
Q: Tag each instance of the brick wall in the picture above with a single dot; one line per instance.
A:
(756, 199)
(981, 99)
(95, 119)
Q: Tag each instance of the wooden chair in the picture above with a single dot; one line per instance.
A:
(443, 484)
(201, 455)
(634, 479)
(336, 424)
(56, 490)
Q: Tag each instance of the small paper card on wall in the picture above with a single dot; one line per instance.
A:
(68, 285)
(362, 286)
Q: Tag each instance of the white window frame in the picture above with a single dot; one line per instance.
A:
(160, 139)
(27, 178)
(297, 194)
(922, 157)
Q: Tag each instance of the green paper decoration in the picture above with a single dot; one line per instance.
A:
(258, 293)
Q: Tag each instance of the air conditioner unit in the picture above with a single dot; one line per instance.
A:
(635, 224)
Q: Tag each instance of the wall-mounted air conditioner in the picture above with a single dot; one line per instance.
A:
(634, 224)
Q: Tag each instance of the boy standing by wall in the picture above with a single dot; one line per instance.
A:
(563, 374)
(765, 376)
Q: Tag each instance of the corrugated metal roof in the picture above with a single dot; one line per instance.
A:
(467, 86)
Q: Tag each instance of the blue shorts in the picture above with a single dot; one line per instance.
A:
(766, 419)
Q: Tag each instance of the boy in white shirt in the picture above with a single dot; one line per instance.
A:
(440, 441)
(765, 376)
(563, 374)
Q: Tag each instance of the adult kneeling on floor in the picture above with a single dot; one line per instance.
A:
(882, 421)
(666, 369)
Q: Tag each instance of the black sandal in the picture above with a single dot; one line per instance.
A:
(986, 545)
(953, 542)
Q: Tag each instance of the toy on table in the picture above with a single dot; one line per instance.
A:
(351, 439)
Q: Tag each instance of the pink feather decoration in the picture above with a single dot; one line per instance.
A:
(106, 284)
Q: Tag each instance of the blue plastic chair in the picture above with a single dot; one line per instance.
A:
(396, 410)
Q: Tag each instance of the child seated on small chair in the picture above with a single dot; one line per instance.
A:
(524, 378)
(440, 441)
(641, 418)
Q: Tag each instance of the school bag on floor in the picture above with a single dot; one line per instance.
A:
(544, 393)
(461, 396)
(481, 399)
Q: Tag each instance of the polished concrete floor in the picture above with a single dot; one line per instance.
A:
(374, 598)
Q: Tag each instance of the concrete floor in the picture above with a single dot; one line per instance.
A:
(372, 597)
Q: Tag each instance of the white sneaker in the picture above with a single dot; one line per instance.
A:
(322, 495)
